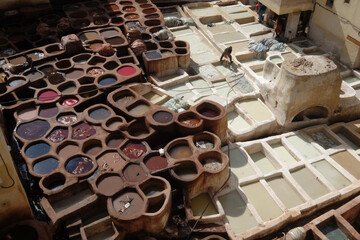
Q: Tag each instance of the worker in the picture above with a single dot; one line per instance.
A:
(257, 7)
(262, 10)
(278, 28)
(227, 54)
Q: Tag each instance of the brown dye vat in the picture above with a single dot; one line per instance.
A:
(81, 58)
(186, 171)
(134, 173)
(191, 122)
(125, 3)
(110, 161)
(134, 150)
(86, 36)
(109, 33)
(156, 163)
(54, 182)
(163, 117)
(146, 5)
(108, 185)
(27, 114)
(131, 16)
(125, 100)
(114, 123)
(114, 140)
(129, 9)
(48, 112)
(68, 149)
(112, 7)
(18, 60)
(180, 151)
(128, 204)
(115, 40)
(100, 20)
(96, 46)
(92, 147)
(111, 65)
(151, 16)
(74, 74)
(149, 10)
(58, 135)
(68, 87)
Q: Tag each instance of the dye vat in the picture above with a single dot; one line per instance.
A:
(239, 163)
(67, 119)
(88, 36)
(310, 183)
(236, 122)
(199, 203)
(47, 96)
(110, 162)
(223, 88)
(107, 81)
(162, 117)
(226, 70)
(126, 71)
(262, 201)
(125, 100)
(152, 191)
(27, 114)
(134, 150)
(219, 28)
(33, 75)
(95, 72)
(303, 147)
(323, 140)
(82, 131)
(204, 11)
(139, 109)
(286, 192)
(69, 102)
(156, 163)
(256, 109)
(207, 112)
(152, 97)
(201, 86)
(180, 151)
(37, 150)
(16, 82)
(237, 213)
(228, 37)
(74, 74)
(33, 130)
(99, 113)
(332, 231)
(45, 166)
(211, 164)
(109, 33)
(110, 185)
(204, 144)
(134, 173)
(190, 122)
(276, 59)
(180, 91)
(114, 141)
(128, 204)
(153, 55)
(186, 171)
(58, 135)
(79, 165)
(331, 174)
(48, 112)
(283, 153)
(348, 138)
(348, 162)
(242, 84)
(263, 163)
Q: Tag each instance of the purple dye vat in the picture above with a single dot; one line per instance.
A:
(33, 130)
(79, 165)
(67, 119)
(48, 112)
(134, 150)
(82, 131)
(58, 135)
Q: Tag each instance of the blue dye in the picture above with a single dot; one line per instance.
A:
(45, 166)
(107, 81)
(37, 150)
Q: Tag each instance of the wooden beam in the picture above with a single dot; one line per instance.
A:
(353, 40)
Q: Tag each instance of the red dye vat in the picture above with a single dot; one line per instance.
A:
(70, 102)
(134, 150)
(156, 163)
(47, 96)
(126, 71)
(191, 122)
(209, 113)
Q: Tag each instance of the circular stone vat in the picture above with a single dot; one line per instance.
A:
(33, 130)
(67, 149)
(126, 71)
(149, 10)
(186, 171)
(67, 118)
(208, 110)
(129, 9)
(211, 161)
(54, 182)
(115, 41)
(99, 113)
(180, 150)
(151, 16)
(16, 82)
(100, 20)
(204, 141)
(128, 203)
(109, 184)
(107, 80)
(27, 113)
(146, 6)
(155, 162)
(75, 74)
(56, 77)
(126, 3)
(45, 166)
(37, 149)
(162, 117)
(81, 23)
(109, 33)
(134, 173)
(131, 16)
(68, 87)
(58, 135)
(83, 131)
(114, 123)
(33, 75)
(63, 64)
(111, 65)
(81, 58)
(94, 72)
(152, 187)
(138, 109)
(114, 140)
(124, 98)
(79, 165)
(134, 150)
(138, 129)
(47, 96)
(48, 112)
(69, 102)
(92, 147)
